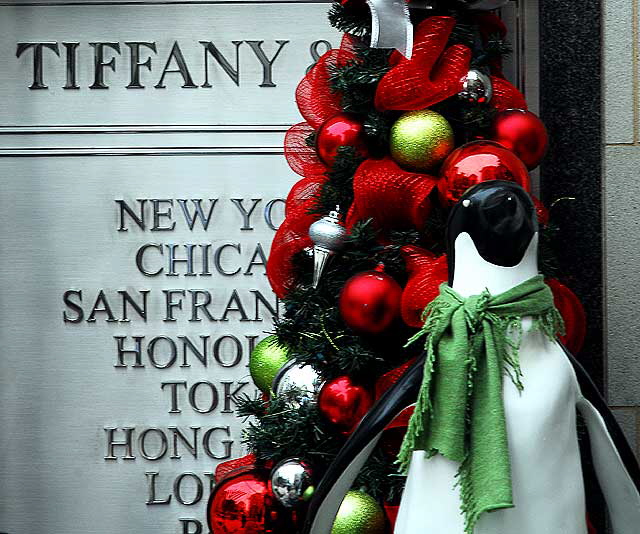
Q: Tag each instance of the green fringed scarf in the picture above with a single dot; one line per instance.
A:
(470, 344)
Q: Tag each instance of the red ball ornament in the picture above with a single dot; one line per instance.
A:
(344, 403)
(573, 315)
(523, 133)
(343, 129)
(541, 211)
(370, 301)
(476, 162)
(243, 503)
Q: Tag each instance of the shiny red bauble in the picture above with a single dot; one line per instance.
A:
(343, 129)
(370, 301)
(243, 503)
(523, 133)
(573, 315)
(541, 211)
(476, 162)
(344, 403)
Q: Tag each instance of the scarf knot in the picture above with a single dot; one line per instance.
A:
(475, 309)
(470, 344)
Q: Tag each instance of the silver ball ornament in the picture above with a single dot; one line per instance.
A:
(476, 87)
(328, 237)
(303, 378)
(292, 482)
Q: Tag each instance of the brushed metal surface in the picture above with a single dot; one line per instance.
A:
(59, 384)
(228, 100)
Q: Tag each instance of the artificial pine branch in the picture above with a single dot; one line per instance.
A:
(464, 33)
(358, 79)
(469, 120)
(377, 128)
(496, 48)
(313, 327)
(351, 18)
(380, 478)
(433, 235)
(247, 406)
(286, 429)
(338, 189)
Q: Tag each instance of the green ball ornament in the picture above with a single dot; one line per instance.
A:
(266, 360)
(359, 514)
(421, 140)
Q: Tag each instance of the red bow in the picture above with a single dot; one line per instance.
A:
(434, 72)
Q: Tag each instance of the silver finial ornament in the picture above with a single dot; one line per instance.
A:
(476, 87)
(328, 237)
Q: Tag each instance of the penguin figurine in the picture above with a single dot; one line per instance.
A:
(492, 240)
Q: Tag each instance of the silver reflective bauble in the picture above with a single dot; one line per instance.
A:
(476, 87)
(303, 378)
(292, 482)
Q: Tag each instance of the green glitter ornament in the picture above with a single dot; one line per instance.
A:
(421, 140)
(266, 360)
(359, 514)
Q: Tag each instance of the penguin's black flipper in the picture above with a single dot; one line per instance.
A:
(343, 470)
(591, 393)
(615, 463)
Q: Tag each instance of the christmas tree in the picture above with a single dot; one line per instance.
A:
(388, 144)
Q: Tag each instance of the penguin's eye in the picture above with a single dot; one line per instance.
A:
(466, 203)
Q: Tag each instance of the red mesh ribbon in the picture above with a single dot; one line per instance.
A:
(393, 197)
(426, 273)
(316, 101)
(434, 72)
(391, 377)
(302, 158)
(572, 311)
(235, 466)
(506, 96)
(293, 235)
(286, 244)
(301, 200)
(392, 514)
(384, 383)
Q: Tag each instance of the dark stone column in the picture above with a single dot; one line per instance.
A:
(571, 107)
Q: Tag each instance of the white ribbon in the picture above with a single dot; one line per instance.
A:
(391, 26)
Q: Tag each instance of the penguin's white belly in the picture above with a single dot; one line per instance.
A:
(546, 470)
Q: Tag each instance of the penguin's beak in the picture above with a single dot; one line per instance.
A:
(505, 214)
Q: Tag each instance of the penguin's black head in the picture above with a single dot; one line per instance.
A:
(500, 218)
